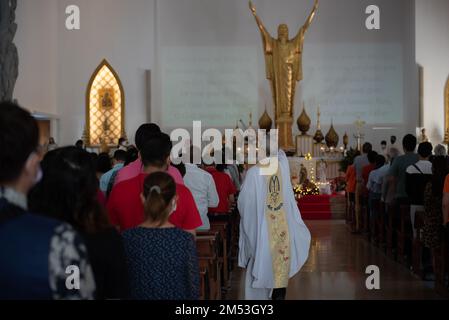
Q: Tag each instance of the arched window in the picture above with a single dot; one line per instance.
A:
(105, 107)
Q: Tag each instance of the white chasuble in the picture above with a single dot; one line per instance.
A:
(264, 242)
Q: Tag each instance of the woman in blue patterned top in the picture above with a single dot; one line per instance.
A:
(162, 260)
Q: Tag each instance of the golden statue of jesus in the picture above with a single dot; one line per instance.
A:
(283, 59)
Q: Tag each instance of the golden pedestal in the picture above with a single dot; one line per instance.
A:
(284, 125)
(317, 150)
(304, 145)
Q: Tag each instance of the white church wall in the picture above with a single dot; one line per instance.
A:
(123, 33)
(215, 23)
(130, 34)
(36, 41)
(432, 52)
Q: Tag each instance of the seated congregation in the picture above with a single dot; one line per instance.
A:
(399, 200)
(132, 226)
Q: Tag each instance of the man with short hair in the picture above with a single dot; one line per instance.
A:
(125, 207)
(397, 172)
(203, 189)
(107, 180)
(393, 145)
(143, 134)
(359, 162)
(79, 144)
(35, 251)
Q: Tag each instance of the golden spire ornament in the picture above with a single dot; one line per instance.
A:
(304, 121)
(318, 137)
(332, 137)
(265, 122)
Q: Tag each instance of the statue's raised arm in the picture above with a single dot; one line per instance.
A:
(311, 16)
(309, 20)
(266, 37)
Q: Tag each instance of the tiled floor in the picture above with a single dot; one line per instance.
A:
(336, 270)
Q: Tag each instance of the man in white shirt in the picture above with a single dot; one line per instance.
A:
(418, 175)
(393, 145)
(203, 189)
(423, 166)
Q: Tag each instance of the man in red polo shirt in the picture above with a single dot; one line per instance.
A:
(125, 206)
(225, 189)
(366, 170)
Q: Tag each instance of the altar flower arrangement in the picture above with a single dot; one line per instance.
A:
(307, 188)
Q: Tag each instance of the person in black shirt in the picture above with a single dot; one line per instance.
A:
(68, 191)
(35, 251)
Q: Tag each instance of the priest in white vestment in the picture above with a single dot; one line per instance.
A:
(274, 241)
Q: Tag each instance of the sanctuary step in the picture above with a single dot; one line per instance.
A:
(322, 207)
(315, 207)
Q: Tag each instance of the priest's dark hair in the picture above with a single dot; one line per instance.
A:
(156, 150)
(19, 137)
(144, 133)
(68, 190)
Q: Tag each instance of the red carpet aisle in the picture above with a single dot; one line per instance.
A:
(322, 207)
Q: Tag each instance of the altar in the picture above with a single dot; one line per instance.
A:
(332, 166)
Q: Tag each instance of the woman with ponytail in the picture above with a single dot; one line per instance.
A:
(162, 260)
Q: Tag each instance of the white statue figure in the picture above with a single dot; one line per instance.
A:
(322, 167)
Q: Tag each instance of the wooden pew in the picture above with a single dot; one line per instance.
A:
(442, 266)
(405, 235)
(347, 209)
(365, 219)
(390, 231)
(381, 224)
(207, 248)
(204, 284)
(222, 228)
(235, 234)
(374, 224)
(418, 245)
